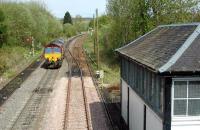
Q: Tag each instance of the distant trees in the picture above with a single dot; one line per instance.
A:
(69, 30)
(79, 25)
(67, 18)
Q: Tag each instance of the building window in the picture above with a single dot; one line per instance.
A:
(186, 98)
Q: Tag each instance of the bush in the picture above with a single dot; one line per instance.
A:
(69, 30)
(3, 29)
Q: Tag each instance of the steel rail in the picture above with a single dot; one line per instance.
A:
(68, 96)
(84, 92)
(69, 87)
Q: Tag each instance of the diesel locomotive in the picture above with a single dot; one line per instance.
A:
(53, 54)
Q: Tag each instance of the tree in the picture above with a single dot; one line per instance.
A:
(67, 18)
(133, 18)
(69, 30)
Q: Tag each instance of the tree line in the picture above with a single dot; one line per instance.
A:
(73, 26)
(24, 20)
(20, 21)
(129, 19)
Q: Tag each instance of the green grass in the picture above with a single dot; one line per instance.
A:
(111, 71)
(14, 59)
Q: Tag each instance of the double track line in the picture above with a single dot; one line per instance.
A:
(33, 109)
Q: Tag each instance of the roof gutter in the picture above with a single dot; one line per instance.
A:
(181, 50)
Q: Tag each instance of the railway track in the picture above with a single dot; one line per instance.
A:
(31, 115)
(77, 113)
(15, 83)
(79, 68)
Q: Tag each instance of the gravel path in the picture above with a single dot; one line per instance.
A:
(12, 108)
(76, 119)
(97, 114)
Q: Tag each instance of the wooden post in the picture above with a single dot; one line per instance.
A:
(33, 46)
(94, 34)
(97, 42)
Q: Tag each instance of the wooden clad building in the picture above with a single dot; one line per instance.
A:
(160, 79)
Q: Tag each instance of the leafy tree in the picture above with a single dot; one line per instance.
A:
(33, 20)
(133, 18)
(69, 30)
(67, 18)
(80, 24)
(103, 20)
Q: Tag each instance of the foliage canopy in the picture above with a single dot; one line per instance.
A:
(133, 18)
(33, 20)
(3, 28)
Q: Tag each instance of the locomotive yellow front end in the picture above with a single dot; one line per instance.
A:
(53, 56)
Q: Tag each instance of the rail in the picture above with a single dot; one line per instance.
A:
(82, 86)
(84, 92)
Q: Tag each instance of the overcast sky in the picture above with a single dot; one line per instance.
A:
(85, 8)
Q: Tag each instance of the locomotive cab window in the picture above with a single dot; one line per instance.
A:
(56, 50)
(186, 98)
(48, 50)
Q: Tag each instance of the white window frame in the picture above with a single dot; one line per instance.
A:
(186, 117)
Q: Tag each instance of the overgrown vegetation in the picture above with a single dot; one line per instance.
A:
(20, 23)
(128, 19)
(133, 18)
(107, 63)
(111, 71)
(79, 25)
(3, 29)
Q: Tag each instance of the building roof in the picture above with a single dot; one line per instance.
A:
(190, 60)
(167, 48)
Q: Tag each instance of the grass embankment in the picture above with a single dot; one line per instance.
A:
(111, 69)
(13, 60)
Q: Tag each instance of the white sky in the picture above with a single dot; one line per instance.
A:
(85, 8)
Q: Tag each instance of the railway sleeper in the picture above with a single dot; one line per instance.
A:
(43, 90)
